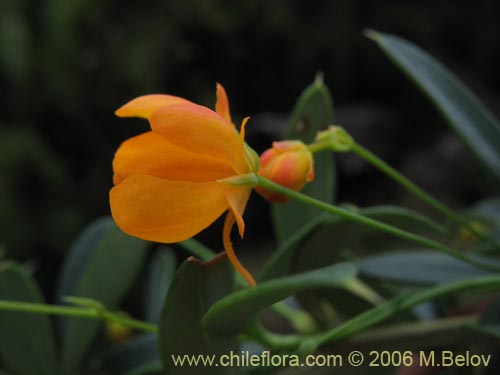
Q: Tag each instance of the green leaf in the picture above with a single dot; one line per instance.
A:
(27, 342)
(339, 239)
(339, 234)
(280, 262)
(313, 112)
(133, 356)
(489, 211)
(102, 265)
(232, 312)
(475, 124)
(194, 287)
(160, 274)
(420, 267)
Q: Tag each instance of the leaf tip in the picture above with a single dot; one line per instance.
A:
(372, 34)
(318, 80)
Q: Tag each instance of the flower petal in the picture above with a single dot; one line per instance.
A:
(143, 106)
(237, 198)
(165, 211)
(151, 154)
(222, 103)
(200, 130)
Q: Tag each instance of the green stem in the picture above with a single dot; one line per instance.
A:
(273, 340)
(414, 333)
(80, 312)
(392, 173)
(405, 182)
(401, 233)
(369, 318)
(402, 303)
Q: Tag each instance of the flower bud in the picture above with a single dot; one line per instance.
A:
(287, 163)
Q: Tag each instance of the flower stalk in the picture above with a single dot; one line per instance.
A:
(337, 139)
(401, 233)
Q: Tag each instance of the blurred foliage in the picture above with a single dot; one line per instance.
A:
(65, 65)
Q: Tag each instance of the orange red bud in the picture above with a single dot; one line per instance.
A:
(287, 163)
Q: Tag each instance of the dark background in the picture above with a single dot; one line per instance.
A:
(66, 65)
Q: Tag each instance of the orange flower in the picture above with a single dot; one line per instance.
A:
(288, 163)
(174, 181)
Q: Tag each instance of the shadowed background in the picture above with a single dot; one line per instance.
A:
(66, 65)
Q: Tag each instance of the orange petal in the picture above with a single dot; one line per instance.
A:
(165, 211)
(151, 154)
(222, 103)
(143, 106)
(231, 255)
(237, 198)
(200, 130)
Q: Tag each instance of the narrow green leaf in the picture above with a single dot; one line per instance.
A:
(313, 112)
(419, 267)
(231, 313)
(404, 218)
(339, 239)
(102, 265)
(488, 211)
(27, 342)
(468, 116)
(404, 302)
(190, 294)
(161, 272)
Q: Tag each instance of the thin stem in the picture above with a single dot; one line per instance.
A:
(273, 340)
(401, 233)
(231, 255)
(80, 312)
(309, 343)
(300, 320)
(402, 303)
(413, 331)
(405, 182)
(373, 159)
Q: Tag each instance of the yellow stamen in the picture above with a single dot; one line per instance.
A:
(228, 246)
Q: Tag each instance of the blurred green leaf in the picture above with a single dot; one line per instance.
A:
(27, 342)
(232, 312)
(194, 287)
(465, 113)
(489, 211)
(313, 112)
(160, 274)
(282, 260)
(279, 263)
(102, 265)
(404, 218)
(134, 356)
(199, 250)
(339, 239)
(420, 267)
